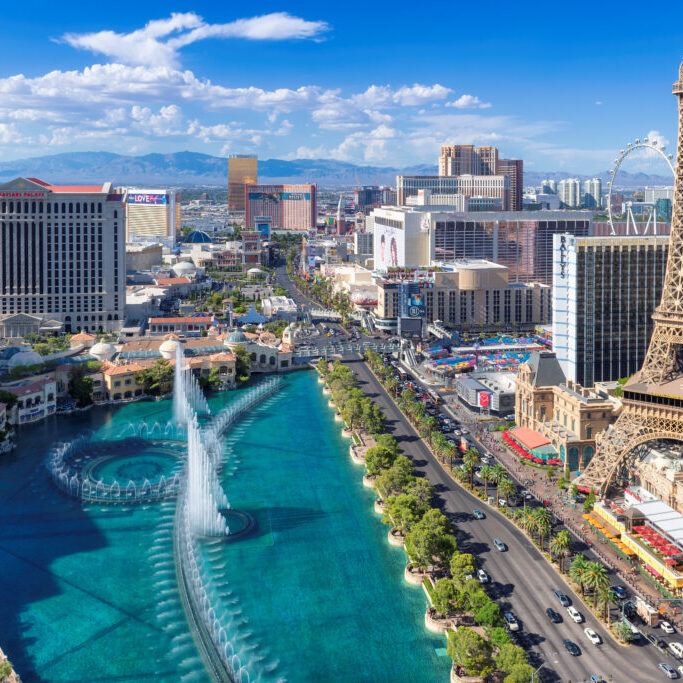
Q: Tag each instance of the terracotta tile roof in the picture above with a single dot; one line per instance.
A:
(529, 438)
(163, 281)
(229, 357)
(186, 320)
(67, 188)
(83, 336)
(122, 369)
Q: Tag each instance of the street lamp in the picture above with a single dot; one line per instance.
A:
(533, 675)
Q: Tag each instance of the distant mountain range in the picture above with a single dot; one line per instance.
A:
(192, 169)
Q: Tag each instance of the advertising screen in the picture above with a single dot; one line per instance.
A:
(484, 399)
(410, 328)
(389, 247)
(411, 300)
(279, 196)
(146, 198)
(264, 230)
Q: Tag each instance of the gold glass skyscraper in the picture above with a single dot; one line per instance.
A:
(242, 170)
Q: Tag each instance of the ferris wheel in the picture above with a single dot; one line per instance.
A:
(645, 143)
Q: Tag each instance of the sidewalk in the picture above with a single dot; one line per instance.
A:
(543, 489)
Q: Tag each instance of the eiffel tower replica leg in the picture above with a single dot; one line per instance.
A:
(653, 397)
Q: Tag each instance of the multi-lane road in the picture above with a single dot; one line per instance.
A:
(521, 579)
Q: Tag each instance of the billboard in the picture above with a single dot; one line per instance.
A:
(147, 198)
(389, 247)
(484, 399)
(410, 328)
(263, 229)
(279, 196)
(411, 301)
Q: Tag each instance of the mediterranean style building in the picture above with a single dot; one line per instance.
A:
(568, 415)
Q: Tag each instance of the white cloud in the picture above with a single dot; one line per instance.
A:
(468, 102)
(598, 102)
(147, 47)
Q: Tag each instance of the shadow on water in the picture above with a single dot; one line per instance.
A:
(38, 527)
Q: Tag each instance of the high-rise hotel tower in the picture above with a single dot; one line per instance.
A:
(62, 254)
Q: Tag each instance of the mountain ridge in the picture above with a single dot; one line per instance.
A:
(194, 169)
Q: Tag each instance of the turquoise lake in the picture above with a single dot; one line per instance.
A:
(88, 593)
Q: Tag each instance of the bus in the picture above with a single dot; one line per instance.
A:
(434, 397)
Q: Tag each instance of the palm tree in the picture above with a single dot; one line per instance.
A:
(604, 598)
(560, 546)
(469, 460)
(527, 521)
(596, 578)
(578, 572)
(485, 474)
(507, 488)
(542, 519)
(427, 428)
(498, 474)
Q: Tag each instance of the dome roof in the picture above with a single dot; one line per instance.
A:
(24, 358)
(184, 268)
(167, 348)
(237, 337)
(103, 351)
(255, 270)
(197, 237)
(10, 351)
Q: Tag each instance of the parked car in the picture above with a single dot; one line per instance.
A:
(510, 621)
(676, 649)
(576, 616)
(563, 599)
(499, 545)
(478, 514)
(553, 616)
(619, 592)
(592, 636)
(666, 627)
(572, 648)
(667, 670)
(482, 576)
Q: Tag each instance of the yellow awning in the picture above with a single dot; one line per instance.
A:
(609, 535)
(587, 515)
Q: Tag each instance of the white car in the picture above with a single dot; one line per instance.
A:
(666, 627)
(482, 576)
(575, 614)
(592, 636)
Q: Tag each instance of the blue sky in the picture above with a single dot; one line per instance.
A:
(562, 86)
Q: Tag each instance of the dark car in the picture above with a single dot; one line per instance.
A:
(618, 591)
(572, 648)
(652, 638)
(564, 600)
(553, 616)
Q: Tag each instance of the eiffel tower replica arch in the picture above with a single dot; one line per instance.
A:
(653, 397)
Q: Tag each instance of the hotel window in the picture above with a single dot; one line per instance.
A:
(589, 432)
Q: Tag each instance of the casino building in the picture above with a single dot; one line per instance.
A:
(152, 214)
(284, 207)
(62, 254)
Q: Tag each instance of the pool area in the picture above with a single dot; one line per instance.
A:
(313, 592)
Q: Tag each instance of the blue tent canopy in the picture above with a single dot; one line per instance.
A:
(252, 317)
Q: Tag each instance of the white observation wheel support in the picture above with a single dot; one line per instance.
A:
(645, 143)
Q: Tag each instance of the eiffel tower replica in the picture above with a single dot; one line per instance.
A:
(653, 397)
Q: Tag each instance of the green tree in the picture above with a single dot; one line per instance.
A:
(462, 565)
(509, 656)
(156, 380)
(597, 579)
(80, 386)
(471, 651)
(397, 478)
(521, 673)
(560, 546)
(578, 572)
(498, 636)
(603, 600)
(623, 632)
(507, 488)
(403, 512)
(323, 367)
(469, 460)
(489, 615)
(589, 502)
(352, 412)
(242, 363)
(485, 474)
(5, 669)
(377, 459)
(498, 474)
(422, 490)
(9, 399)
(444, 596)
(430, 541)
(389, 442)
(542, 522)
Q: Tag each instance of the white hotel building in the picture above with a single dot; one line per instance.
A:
(62, 255)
